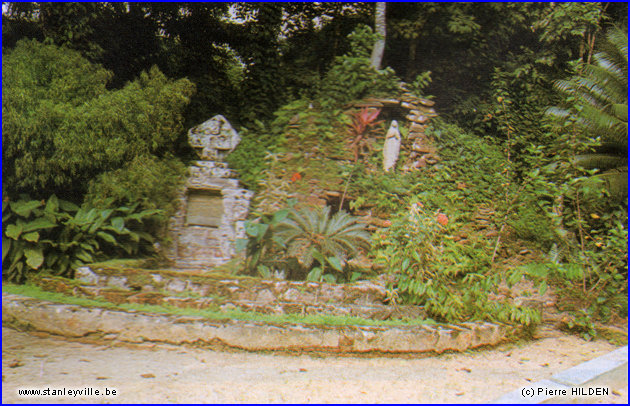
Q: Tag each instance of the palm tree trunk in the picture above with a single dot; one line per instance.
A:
(379, 26)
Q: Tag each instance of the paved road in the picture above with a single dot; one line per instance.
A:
(161, 374)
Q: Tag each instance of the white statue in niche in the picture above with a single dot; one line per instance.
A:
(391, 148)
(214, 139)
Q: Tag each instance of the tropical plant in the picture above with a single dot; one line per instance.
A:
(62, 126)
(261, 245)
(305, 244)
(147, 182)
(352, 77)
(597, 102)
(363, 121)
(57, 236)
(310, 235)
(452, 281)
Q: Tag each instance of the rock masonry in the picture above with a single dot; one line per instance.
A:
(212, 205)
(417, 112)
(192, 290)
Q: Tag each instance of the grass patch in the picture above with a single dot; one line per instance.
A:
(217, 315)
(138, 272)
(38, 293)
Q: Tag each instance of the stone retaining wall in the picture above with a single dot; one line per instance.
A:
(119, 296)
(246, 289)
(135, 327)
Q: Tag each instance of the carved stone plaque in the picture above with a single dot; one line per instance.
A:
(204, 208)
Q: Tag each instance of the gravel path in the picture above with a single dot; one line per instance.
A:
(151, 373)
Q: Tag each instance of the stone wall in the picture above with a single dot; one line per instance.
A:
(415, 113)
(246, 289)
(137, 327)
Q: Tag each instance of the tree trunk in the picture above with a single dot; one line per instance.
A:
(411, 61)
(379, 26)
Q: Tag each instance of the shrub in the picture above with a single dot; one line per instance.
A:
(352, 77)
(146, 182)
(62, 128)
(450, 280)
(306, 243)
(597, 103)
(57, 236)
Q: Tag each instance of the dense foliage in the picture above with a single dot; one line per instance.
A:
(95, 108)
(62, 128)
(307, 244)
(56, 236)
(597, 97)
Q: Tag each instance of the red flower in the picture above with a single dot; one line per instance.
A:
(296, 176)
(442, 219)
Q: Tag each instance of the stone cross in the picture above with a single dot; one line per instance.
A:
(214, 139)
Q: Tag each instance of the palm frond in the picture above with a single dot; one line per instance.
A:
(303, 231)
(598, 97)
(616, 181)
(600, 161)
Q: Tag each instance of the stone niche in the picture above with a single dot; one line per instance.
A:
(212, 205)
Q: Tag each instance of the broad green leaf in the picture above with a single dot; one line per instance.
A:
(34, 257)
(24, 208)
(6, 246)
(335, 263)
(32, 237)
(145, 214)
(68, 206)
(96, 225)
(280, 215)
(318, 256)
(330, 278)
(40, 223)
(80, 216)
(52, 205)
(107, 237)
(314, 275)
(240, 244)
(262, 229)
(93, 213)
(13, 231)
(118, 223)
(145, 236)
(106, 213)
(264, 271)
(251, 229)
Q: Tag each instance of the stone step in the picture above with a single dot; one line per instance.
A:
(136, 327)
(233, 288)
(120, 296)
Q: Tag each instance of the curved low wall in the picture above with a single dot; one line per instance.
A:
(134, 327)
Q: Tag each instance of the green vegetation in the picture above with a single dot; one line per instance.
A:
(305, 244)
(62, 128)
(57, 236)
(97, 97)
(597, 98)
(450, 280)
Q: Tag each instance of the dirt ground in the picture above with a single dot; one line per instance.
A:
(155, 373)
